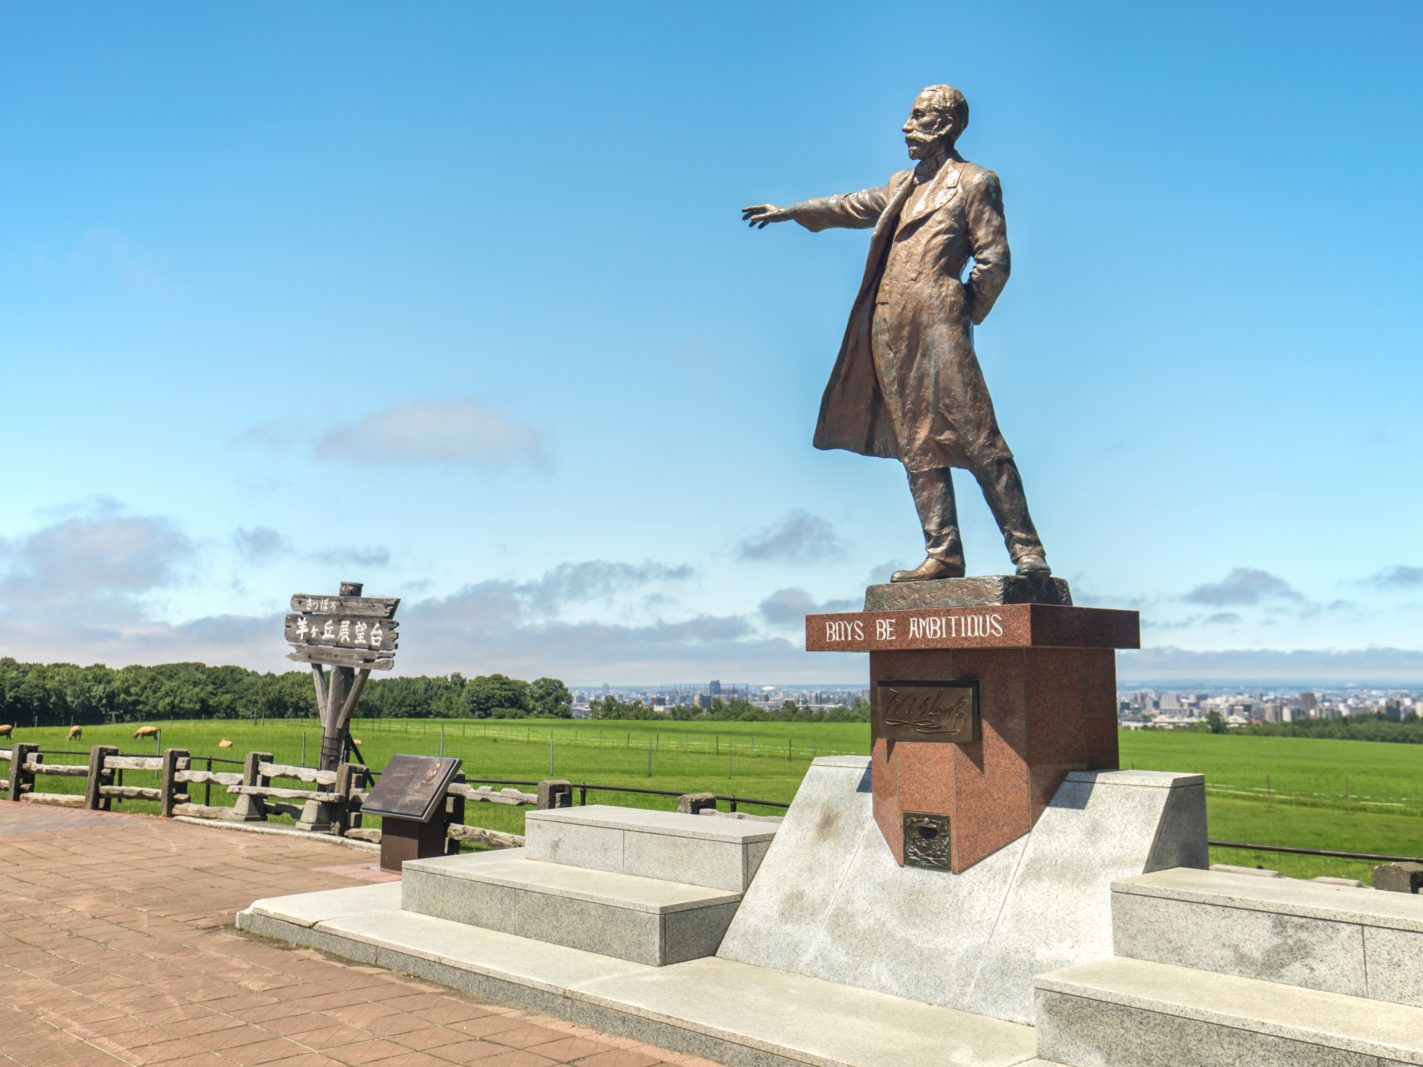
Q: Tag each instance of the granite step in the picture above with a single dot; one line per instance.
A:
(693, 849)
(1336, 939)
(734, 1013)
(645, 920)
(1133, 1013)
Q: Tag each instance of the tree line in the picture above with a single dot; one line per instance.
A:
(610, 707)
(1407, 729)
(63, 694)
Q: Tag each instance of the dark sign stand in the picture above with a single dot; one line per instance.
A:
(410, 799)
(353, 635)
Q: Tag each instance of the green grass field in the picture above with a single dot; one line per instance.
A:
(1349, 796)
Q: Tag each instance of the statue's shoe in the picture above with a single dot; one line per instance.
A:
(930, 570)
(1033, 567)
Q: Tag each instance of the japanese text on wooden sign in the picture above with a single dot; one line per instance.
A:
(343, 631)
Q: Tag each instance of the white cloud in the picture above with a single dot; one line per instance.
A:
(110, 559)
(106, 637)
(593, 652)
(458, 432)
(564, 585)
(513, 627)
(789, 607)
(375, 556)
(1381, 665)
(260, 545)
(799, 537)
(1243, 586)
(1399, 576)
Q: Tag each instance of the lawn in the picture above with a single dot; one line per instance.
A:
(1348, 796)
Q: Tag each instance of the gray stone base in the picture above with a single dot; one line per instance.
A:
(1333, 938)
(830, 902)
(317, 816)
(632, 918)
(249, 809)
(840, 958)
(1130, 1013)
(717, 853)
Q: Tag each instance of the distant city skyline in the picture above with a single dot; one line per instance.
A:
(455, 300)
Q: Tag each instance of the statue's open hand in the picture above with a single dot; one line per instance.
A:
(762, 215)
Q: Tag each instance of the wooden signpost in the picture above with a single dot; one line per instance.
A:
(351, 634)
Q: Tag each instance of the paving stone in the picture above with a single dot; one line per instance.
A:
(619, 1058)
(95, 894)
(367, 1051)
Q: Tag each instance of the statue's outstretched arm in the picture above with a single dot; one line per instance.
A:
(762, 215)
(855, 211)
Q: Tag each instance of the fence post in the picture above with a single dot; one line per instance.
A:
(169, 779)
(696, 803)
(99, 776)
(1399, 877)
(454, 816)
(350, 780)
(249, 808)
(22, 780)
(555, 793)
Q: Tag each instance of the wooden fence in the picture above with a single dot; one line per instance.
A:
(325, 802)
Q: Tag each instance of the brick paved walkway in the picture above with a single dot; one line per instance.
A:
(117, 945)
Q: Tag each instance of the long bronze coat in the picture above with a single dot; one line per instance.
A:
(906, 384)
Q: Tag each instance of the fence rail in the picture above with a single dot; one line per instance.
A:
(1331, 853)
(321, 801)
(584, 788)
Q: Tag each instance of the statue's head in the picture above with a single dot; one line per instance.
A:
(938, 116)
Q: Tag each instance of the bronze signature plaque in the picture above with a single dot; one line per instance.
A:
(411, 787)
(929, 711)
(926, 840)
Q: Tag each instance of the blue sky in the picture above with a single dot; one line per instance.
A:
(453, 298)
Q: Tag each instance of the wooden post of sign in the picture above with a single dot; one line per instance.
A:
(342, 692)
(341, 682)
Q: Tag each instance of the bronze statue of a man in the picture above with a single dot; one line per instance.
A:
(907, 384)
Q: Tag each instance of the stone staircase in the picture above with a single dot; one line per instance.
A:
(1225, 969)
(584, 922)
(647, 886)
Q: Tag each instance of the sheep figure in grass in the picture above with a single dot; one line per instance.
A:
(6, 730)
(146, 731)
(75, 733)
(224, 743)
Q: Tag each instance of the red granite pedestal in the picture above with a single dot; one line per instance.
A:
(1047, 700)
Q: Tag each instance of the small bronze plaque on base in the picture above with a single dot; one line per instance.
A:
(411, 787)
(926, 840)
(929, 711)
